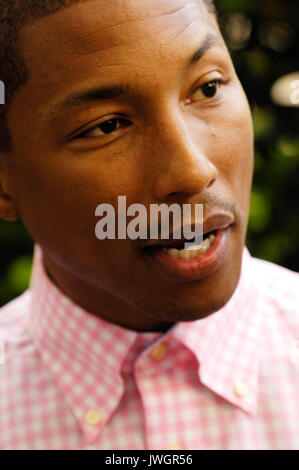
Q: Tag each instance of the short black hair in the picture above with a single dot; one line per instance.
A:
(15, 14)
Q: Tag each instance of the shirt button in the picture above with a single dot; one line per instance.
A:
(93, 417)
(240, 389)
(158, 351)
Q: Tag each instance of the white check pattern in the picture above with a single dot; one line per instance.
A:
(71, 380)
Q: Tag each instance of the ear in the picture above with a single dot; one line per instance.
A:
(8, 208)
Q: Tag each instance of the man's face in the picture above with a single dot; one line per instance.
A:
(171, 139)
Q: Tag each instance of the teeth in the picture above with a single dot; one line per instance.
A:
(191, 251)
(173, 252)
(205, 245)
(184, 254)
(194, 248)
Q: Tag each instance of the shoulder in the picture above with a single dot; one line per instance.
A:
(14, 317)
(24, 380)
(280, 285)
(278, 303)
(16, 342)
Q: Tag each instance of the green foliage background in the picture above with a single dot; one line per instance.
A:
(273, 230)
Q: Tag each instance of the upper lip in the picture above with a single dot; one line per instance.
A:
(213, 222)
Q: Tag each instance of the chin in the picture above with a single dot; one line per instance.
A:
(191, 306)
(196, 300)
(211, 306)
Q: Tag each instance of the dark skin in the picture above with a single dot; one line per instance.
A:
(175, 145)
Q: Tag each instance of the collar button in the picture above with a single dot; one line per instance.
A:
(158, 351)
(93, 417)
(240, 389)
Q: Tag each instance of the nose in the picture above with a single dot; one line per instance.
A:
(182, 169)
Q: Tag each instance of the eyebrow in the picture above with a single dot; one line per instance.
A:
(122, 90)
(210, 41)
(96, 94)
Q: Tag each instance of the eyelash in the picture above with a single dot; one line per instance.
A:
(218, 81)
(127, 123)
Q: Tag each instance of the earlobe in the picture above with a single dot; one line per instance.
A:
(8, 213)
(8, 209)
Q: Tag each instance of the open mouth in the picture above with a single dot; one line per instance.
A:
(176, 248)
(185, 260)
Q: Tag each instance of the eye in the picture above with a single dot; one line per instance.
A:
(106, 128)
(209, 90)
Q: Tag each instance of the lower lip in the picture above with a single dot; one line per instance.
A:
(201, 266)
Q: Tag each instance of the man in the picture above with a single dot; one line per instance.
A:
(133, 344)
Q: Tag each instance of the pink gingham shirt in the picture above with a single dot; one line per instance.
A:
(70, 380)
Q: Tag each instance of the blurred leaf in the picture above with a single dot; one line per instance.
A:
(274, 247)
(263, 121)
(260, 211)
(288, 146)
(258, 63)
(258, 160)
(18, 274)
(233, 5)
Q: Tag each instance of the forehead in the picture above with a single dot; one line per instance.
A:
(94, 41)
(117, 19)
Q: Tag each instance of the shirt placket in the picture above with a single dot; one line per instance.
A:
(165, 388)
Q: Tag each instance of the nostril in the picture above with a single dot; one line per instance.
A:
(211, 182)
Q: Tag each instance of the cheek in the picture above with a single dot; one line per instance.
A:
(233, 149)
(103, 175)
(65, 189)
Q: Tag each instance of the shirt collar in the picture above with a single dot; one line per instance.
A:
(227, 343)
(78, 348)
(74, 344)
